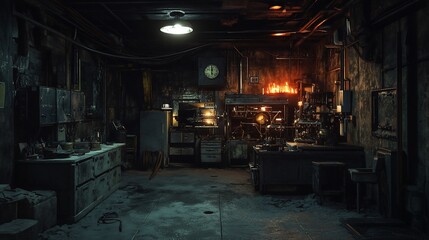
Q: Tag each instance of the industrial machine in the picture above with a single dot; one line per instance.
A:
(260, 117)
(315, 119)
(199, 114)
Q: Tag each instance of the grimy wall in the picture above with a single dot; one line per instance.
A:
(6, 111)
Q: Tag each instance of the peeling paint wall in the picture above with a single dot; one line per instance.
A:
(372, 64)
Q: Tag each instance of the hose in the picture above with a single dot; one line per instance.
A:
(109, 218)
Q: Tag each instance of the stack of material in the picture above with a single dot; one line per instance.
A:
(24, 214)
(9, 204)
(19, 229)
(41, 206)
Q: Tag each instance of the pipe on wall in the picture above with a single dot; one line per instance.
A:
(240, 82)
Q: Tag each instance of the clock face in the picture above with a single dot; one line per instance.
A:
(211, 71)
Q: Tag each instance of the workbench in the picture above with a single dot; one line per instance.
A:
(81, 182)
(293, 165)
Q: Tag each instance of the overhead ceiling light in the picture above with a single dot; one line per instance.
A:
(282, 34)
(178, 27)
(275, 7)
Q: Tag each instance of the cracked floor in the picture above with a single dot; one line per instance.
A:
(197, 203)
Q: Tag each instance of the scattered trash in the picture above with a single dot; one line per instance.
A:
(109, 218)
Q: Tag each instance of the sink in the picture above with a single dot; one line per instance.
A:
(366, 175)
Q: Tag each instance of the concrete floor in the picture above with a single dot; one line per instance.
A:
(196, 203)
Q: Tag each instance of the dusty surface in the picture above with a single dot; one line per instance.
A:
(191, 203)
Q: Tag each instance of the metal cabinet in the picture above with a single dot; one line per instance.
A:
(80, 182)
(101, 163)
(154, 128)
(42, 106)
(102, 186)
(84, 196)
(63, 106)
(83, 173)
(182, 137)
(115, 157)
(77, 105)
(211, 151)
(47, 105)
(295, 167)
(182, 145)
(36, 106)
(237, 152)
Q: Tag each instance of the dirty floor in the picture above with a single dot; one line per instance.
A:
(197, 203)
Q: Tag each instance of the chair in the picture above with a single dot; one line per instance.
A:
(364, 175)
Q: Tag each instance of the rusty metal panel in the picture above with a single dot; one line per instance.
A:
(77, 105)
(101, 163)
(101, 187)
(63, 106)
(84, 171)
(84, 196)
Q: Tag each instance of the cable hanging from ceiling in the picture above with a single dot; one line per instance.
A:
(128, 57)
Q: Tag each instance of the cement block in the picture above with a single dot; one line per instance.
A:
(9, 209)
(9, 205)
(41, 206)
(19, 229)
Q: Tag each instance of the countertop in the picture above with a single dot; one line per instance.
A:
(73, 159)
(293, 147)
(315, 147)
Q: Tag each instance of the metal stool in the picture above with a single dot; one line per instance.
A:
(329, 179)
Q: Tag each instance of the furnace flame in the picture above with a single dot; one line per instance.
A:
(276, 88)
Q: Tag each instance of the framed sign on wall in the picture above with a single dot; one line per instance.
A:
(384, 113)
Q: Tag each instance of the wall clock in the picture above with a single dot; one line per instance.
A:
(211, 71)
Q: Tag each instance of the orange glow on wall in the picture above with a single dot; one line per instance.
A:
(277, 88)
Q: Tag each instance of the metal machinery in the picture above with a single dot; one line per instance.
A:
(200, 114)
(315, 119)
(197, 123)
(260, 117)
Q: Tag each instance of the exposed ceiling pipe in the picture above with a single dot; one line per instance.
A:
(310, 22)
(316, 17)
(116, 17)
(336, 12)
(161, 58)
(58, 9)
(394, 12)
(312, 4)
(79, 20)
(300, 41)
